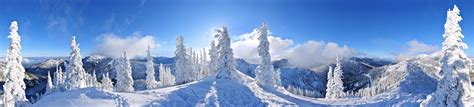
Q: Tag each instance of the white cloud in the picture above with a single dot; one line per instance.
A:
(313, 53)
(309, 54)
(113, 46)
(414, 48)
(245, 47)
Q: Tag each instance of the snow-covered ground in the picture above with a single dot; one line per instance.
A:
(215, 92)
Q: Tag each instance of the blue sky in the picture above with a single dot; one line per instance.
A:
(375, 27)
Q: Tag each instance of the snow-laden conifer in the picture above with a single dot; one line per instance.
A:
(455, 87)
(49, 84)
(75, 73)
(166, 78)
(183, 71)
(106, 82)
(265, 73)
(226, 62)
(124, 75)
(330, 84)
(14, 87)
(150, 71)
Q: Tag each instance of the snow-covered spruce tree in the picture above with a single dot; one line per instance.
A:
(166, 78)
(92, 80)
(330, 84)
(75, 73)
(49, 84)
(106, 83)
(226, 62)
(203, 64)
(58, 80)
(264, 72)
(337, 80)
(14, 87)
(455, 87)
(150, 71)
(124, 75)
(213, 59)
(193, 65)
(183, 71)
(171, 78)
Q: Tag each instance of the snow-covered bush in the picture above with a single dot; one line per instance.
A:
(106, 83)
(303, 92)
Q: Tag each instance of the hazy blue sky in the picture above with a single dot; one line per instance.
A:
(376, 27)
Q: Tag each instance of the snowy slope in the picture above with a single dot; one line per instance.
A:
(212, 92)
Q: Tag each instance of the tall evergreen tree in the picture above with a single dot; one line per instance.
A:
(183, 71)
(124, 75)
(226, 62)
(150, 71)
(330, 84)
(58, 80)
(455, 85)
(265, 73)
(337, 79)
(14, 87)
(49, 84)
(214, 55)
(75, 73)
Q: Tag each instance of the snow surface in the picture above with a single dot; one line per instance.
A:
(212, 92)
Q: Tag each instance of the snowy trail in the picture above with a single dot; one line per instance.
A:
(211, 99)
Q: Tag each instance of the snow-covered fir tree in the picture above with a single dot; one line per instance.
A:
(166, 78)
(150, 71)
(455, 87)
(58, 80)
(337, 80)
(213, 55)
(203, 64)
(14, 87)
(106, 83)
(193, 64)
(124, 75)
(330, 84)
(75, 73)
(184, 73)
(226, 62)
(49, 84)
(264, 72)
(92, 80)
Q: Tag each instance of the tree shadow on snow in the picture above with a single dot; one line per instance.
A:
(185, 96)
(418, 82)
(232, 93)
